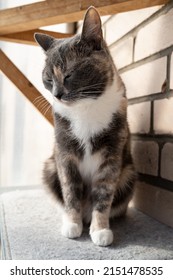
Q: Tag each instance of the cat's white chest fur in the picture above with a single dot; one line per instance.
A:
(89, 165)
(88, 117)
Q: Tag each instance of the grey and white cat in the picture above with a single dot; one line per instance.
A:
(91, 171)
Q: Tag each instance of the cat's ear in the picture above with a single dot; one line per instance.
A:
(45, 41)
(92, 28)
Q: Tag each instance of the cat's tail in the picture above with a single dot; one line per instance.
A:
(124, 191)
(51, 179)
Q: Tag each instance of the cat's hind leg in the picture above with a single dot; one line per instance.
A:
(51, 179)
(123, 192)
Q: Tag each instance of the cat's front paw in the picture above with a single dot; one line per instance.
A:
(103, 237)
(71, 230)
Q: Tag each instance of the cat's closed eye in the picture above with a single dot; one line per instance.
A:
(67, 80)
(49, 81)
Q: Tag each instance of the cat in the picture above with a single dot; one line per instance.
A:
(91, 171)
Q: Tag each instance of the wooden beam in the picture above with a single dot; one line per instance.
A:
(23, 84)
(27, 37)
(50, 12)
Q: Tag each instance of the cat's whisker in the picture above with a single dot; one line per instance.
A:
(96, 84)
(95, 91)
(47, 110)
(39, 103)
(83, 94)
(37, 99)
(90, 86)
(44, 106)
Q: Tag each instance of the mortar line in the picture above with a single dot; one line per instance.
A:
(168, 71)
(152, 118)
(155, 56)
(160, 138)
(133, 32)
(156, 181)
(150, 97)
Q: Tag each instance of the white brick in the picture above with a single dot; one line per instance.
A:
(139, 117)
(155, 202)
(167, 161)
(122, 53)
(146, 79)
(155, 36)
(104, 19)
(163, 116)
(145, 155)
(120, 24)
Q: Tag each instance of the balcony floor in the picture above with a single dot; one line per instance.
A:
(30, 229)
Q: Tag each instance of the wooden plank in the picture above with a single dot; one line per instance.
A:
(23, 84)
(27, 37)
(50, 12)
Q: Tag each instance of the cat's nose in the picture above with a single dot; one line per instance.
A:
(58, 94)
(58, 91)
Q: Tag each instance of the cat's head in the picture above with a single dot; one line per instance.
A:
(80, 67)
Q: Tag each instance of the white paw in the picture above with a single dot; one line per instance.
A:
(103, 237)
(71, 230)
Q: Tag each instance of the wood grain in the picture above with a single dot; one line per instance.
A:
(50, 12)
(27, 37)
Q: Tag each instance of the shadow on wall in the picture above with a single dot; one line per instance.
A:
(151, 119)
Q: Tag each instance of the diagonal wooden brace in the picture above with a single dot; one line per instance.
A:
(22, 83)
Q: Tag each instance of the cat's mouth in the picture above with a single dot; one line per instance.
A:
(72, 98)
(64, 99)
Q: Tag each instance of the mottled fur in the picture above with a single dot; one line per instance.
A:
(91, 171)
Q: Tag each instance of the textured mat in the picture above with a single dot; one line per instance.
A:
(31, 230)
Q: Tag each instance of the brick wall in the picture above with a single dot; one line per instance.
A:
(141, 43)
